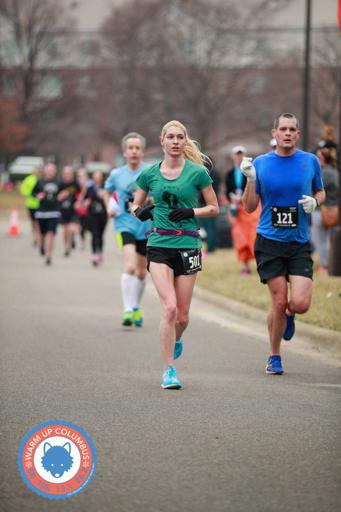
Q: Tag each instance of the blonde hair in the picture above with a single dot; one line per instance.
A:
(191, 150)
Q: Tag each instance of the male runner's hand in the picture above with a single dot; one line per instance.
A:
(248, 169)
(113, 208)
(309, 203)
(143, 212)
(178, 214)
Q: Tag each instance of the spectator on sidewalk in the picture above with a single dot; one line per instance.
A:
(209, 224)
(244, 224)
(328, 141)
(321, 234)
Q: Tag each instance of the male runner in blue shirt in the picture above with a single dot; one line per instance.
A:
(130, 231)
(288, 183)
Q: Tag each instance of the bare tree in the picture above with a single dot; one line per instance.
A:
(184, 59)
(31, 23)
(326, 76)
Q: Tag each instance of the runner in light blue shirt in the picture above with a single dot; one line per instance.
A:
(122, 180)
(130, 231)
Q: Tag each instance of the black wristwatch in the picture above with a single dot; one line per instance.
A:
(317, 201)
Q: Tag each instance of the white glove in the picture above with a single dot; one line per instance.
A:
(248, 169)
(113, 208)
(309, 203)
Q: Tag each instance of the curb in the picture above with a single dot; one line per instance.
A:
(321, 340)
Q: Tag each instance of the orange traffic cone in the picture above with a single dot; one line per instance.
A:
(13, 226)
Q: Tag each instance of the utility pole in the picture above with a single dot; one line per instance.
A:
(306, 79)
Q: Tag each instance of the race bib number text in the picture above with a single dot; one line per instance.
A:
(284, 216)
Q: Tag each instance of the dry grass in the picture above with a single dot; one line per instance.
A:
(10, 200)
(221, 275)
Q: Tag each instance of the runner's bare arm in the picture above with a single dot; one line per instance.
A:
(212, 208)
(250, 197)
(140, 197)
(320, 196)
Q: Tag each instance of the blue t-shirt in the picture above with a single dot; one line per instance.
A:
(123, 181)
(281, 181)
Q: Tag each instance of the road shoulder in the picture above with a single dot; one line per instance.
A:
(319, 340)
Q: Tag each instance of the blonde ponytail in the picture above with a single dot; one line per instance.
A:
(191, 150)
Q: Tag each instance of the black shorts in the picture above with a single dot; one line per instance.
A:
(127, 238)
(48, 225)
(68, 217)
(282, 259)
(167, 255)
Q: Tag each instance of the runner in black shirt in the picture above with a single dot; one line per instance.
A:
(69, 218)
(82, 205)
(97, 216)
(48, 213)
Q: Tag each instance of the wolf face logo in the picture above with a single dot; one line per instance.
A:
(57, 459)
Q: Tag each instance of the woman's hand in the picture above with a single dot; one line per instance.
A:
(143, 212)
(178, 214)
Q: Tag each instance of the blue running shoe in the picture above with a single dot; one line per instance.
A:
(274, 366)
(178, 348)
(290, 328)
(170, 379)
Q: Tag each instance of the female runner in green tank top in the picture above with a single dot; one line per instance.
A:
(173, 248)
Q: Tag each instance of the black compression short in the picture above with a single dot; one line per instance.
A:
(282, 259)
(169, 256)
(128, 238)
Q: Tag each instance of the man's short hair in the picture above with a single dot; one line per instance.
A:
(133, 135)
(287, 116)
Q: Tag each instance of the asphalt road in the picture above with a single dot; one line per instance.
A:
(233, 439)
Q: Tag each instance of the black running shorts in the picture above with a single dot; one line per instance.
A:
(167, 255)
(68, 217)
(48, 225)
(282, 259)
(125, 238)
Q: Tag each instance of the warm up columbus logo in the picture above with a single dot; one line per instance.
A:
(57, 459)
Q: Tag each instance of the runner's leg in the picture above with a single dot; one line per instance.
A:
(184, 286)
(66, 237)
(140, 278)
(163, 279)
(102, 222)
(276, 318)
(128, 277)
(49, 242)
(74, 230)
(301, 289)
(36, 232)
